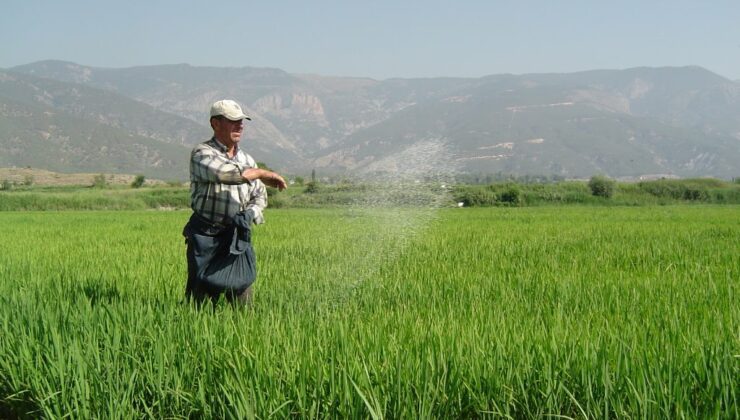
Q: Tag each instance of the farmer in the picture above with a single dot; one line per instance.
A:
(227, 195)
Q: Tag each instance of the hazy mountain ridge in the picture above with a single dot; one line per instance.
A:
(40, 136)
(683, 121)
(102, 106)
(555, 126)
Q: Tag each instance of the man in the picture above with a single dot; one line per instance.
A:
(227, 195)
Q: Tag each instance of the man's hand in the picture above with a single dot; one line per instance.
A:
(271, 179)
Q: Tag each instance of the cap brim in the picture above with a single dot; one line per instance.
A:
(243, 117)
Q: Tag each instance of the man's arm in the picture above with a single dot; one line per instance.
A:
(208, 166)
(271, 179)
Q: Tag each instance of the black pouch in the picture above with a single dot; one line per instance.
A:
(224, 258)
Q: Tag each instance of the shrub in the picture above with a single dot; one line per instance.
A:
(312, 187)
(694, 194)
(689, 189)
(276, 201)
(511, 195)
(99, 181)
(138, 182)
(477, 197)
(601, 186)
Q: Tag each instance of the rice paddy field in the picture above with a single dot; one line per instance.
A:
(563, 312)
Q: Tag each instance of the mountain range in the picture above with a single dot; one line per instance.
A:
(671, 121)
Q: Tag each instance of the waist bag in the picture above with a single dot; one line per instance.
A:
(224, 256)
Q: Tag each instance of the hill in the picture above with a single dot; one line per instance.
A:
(678, 121)
(73, 128)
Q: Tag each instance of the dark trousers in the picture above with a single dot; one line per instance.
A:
(199, 292)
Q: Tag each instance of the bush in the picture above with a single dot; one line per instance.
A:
(276, 201)
(138, 182)
(601, 186)
(475, 196)
(99, 181)
(694, 194)
(312, 187)
(688, 189)
(6, 185)
(511, 196)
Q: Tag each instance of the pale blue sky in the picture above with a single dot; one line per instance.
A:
(379, 39)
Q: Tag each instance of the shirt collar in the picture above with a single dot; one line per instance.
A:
(223, 148)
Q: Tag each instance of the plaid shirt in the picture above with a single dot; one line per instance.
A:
(217, 189)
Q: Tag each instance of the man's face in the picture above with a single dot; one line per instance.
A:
(227, 130)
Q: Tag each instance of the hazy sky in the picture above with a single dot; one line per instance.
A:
(379, 39)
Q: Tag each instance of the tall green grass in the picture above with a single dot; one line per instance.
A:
(508, 312)
(411, 194)
(69, 198)
(660, 192)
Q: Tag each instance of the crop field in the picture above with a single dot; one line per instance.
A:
(570, 312)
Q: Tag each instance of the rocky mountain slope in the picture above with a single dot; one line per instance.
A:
(623, 123)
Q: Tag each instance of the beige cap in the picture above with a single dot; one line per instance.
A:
(229, 109)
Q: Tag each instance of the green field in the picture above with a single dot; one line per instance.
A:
(501, 312)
